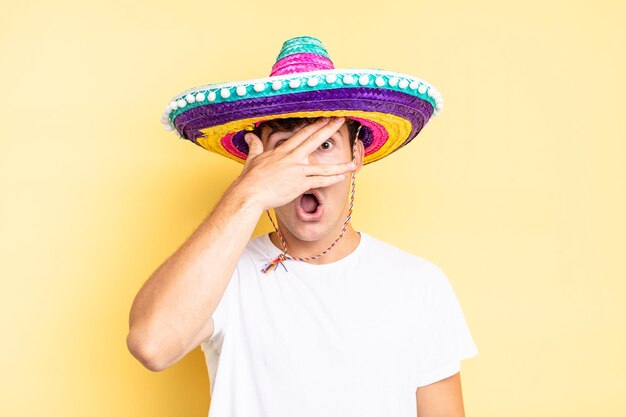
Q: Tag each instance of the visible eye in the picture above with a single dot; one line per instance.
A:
(328, 144)
(279, 142)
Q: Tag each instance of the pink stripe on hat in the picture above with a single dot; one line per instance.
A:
(302, 62)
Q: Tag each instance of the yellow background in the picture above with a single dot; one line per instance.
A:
(517, 189)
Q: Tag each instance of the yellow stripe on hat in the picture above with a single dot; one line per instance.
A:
(397, 127)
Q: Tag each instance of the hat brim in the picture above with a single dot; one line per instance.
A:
(393, 108)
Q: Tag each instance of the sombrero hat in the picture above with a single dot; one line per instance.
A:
(392, 108)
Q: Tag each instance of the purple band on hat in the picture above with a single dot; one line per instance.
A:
(409, 107)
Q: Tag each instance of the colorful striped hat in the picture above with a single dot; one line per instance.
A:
(391, 107)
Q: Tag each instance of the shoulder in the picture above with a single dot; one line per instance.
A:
(257, 246)
(416, 268)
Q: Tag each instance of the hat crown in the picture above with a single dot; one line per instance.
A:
(301, 54)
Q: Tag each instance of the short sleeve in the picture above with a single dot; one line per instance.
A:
(445, 338)
(224, 310)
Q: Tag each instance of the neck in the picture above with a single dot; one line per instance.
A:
(302, 248)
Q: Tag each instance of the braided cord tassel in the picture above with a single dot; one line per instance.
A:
(281, 258)
(274, 264)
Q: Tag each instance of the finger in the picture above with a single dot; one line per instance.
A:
(255, 147)
(317, 138)
(329, 169)
(324, 181)
(302, 134)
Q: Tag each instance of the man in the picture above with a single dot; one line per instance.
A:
(315, 318)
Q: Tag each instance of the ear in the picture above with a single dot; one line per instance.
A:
(360, 153)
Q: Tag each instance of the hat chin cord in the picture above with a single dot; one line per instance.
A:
(281, 258)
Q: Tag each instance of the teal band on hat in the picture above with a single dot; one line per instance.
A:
(302, 44)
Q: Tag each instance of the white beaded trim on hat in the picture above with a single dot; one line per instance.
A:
(304, 81)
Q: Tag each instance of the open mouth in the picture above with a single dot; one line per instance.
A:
(309, 203)
(309, 206)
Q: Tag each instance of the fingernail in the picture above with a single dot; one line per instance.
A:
(246, 137)
(351, 165)
(324, 119)
(339, 119)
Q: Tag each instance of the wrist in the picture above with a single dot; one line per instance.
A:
(245, 196)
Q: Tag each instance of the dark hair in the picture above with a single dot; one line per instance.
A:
(293, 122)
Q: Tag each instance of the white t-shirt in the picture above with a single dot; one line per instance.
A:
(354, 337)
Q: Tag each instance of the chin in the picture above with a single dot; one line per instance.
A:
(308, 231)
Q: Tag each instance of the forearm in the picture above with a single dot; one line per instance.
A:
(170, 313)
